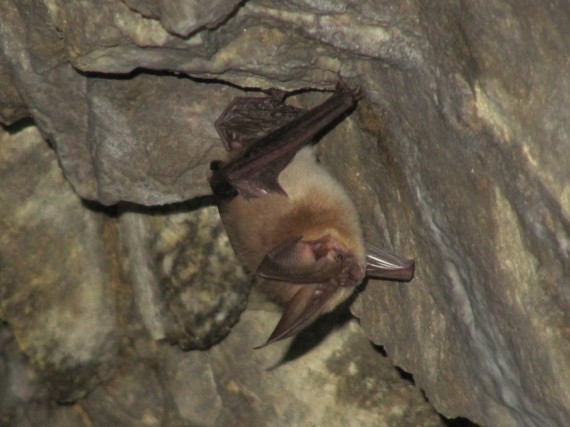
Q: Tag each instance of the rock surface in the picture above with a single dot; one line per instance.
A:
(93, 299)
(187, 284)
(456, 155)
(55, 287)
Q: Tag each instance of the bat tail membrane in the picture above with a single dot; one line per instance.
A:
(382, 264)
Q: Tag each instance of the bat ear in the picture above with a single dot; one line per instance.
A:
(299, 261)
(305, 306)
(382, 264)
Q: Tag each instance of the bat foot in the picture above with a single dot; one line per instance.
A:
(343, 87)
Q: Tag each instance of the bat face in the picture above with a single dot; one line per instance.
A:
(289, 221)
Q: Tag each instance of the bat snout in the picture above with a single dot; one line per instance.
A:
(352, 274)
(356, 273)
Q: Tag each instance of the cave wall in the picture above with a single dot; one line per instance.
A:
(456, 156)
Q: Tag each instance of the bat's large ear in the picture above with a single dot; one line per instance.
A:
(382, 264)
(295, 261)
(305, 306)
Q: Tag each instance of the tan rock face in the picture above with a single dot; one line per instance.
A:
(57, 277)
(456, 156)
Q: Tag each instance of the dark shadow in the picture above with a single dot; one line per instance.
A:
(403, 374)
(457, 422)
(116, 210)
(379, 349)
(93, 206)
(206, 80)
(19, 125)
(311, 337)
(169, 209)
(448, 422)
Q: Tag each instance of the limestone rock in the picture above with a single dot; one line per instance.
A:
(185, 17)
(55, 284)
(187, 283)
(456, 155)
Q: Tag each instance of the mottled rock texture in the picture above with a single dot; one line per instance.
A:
(457, 155)
(92, 300)
(57, 277)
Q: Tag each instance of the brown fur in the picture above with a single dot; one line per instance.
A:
(316, 206)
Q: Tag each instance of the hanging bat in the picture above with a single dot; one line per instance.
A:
(288, 220)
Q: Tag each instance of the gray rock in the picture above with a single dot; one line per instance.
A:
(319, 379)
(150, 142)
(12, 108)
(53, 91)
(187, 283)
(134, 397)
(54, 287)
(188, 16)
(456, 156)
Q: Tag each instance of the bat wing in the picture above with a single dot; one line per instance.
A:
(283, 263)
(249, 119)
(305, 306)
(382, 264)
(254, 173)
(294, 261)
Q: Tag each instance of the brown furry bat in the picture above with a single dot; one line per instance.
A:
(289, 221)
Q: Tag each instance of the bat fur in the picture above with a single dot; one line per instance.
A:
(287, 218)
(316, 205)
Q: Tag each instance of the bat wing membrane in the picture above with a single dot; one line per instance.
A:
(382, 264)
(255, 171)
(301, 311)
(248, 119)
(294, 261)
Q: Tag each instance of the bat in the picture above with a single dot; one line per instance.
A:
(288, 220)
